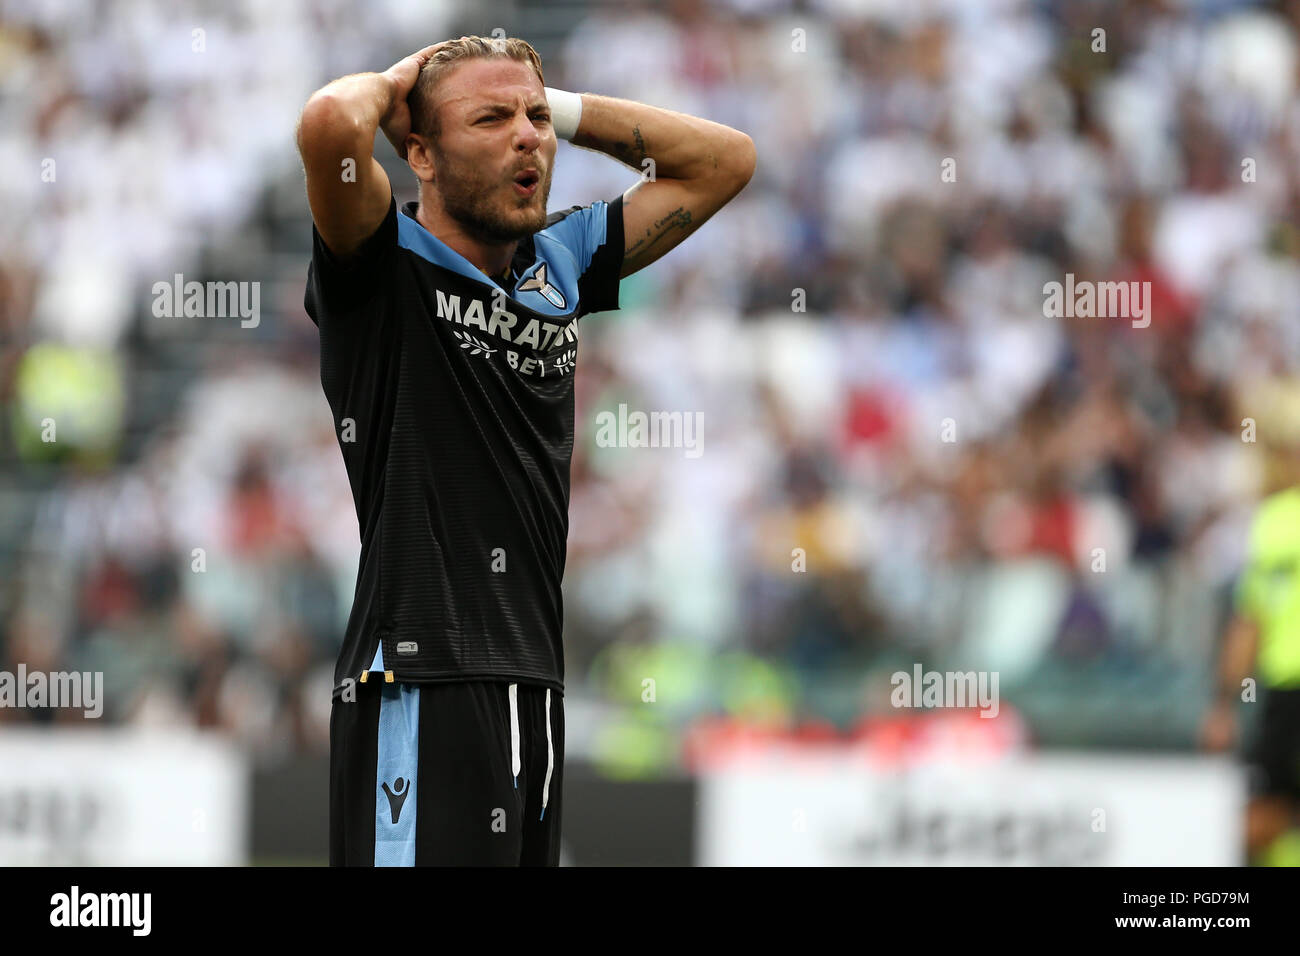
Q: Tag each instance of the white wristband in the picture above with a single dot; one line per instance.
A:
(566, 111)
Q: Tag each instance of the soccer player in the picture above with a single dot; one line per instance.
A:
(1263, 638)
(449, 338)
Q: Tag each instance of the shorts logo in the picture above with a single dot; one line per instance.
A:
(537, 282)
(396, 799)
(407, 647)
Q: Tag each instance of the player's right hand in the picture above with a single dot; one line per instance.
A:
(396, 123)
(1218, 728)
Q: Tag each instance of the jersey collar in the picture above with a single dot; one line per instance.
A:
(425, 244)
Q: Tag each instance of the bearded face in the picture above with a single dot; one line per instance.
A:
(492, 203)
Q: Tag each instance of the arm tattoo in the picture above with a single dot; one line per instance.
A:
(633, 154)
(679, 218)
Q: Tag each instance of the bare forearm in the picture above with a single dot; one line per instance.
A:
(680, 146)
(347, 188)
(1237, 657)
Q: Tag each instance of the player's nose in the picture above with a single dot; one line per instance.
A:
(527, 136)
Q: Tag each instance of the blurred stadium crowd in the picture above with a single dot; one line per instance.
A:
(973, 484)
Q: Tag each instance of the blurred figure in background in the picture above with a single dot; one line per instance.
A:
(1260, 659)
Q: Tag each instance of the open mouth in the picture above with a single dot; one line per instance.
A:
(526, 182)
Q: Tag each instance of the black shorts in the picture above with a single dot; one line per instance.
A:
(458, 774)
(1274, 756)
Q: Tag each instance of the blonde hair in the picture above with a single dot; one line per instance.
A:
(424, 118)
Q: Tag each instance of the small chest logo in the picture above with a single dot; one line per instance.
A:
(397, 796)
(538, 282)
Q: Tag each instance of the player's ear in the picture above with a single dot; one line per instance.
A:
(419, 156)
